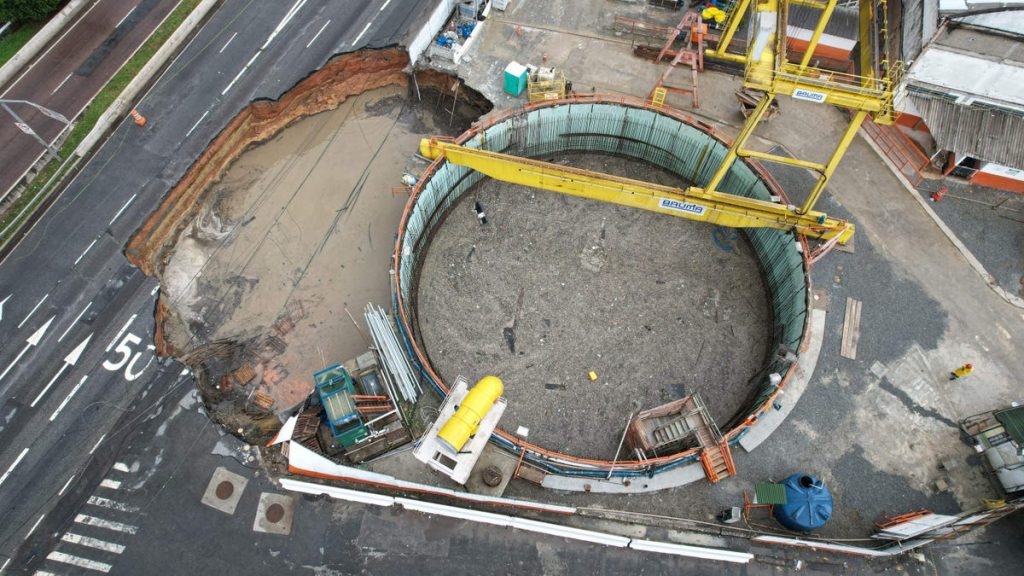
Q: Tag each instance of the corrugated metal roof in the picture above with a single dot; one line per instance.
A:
(843, 23)
(1009, 21)
(1013, 420)
(986, 134)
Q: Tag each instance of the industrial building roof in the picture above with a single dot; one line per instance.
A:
(1010, 21)
(843, 22)
(1012, 420)
(970, 62)
(984, 133)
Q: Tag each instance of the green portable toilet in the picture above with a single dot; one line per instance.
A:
(515, 78)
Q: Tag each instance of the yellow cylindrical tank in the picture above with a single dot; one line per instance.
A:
(463, 424)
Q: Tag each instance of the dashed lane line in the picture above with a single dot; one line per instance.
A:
(317, 35)
(13, 466)
(112, 484)
(33, 311)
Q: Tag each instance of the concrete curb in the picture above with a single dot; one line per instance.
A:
(795, 388)
(123, 103)
(974, 262)
(32, 48)
(536, 526)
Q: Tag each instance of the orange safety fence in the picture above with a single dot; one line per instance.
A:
(900, 150)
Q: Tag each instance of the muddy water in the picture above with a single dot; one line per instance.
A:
(298, 231)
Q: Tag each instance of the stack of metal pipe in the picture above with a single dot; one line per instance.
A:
(396, 364)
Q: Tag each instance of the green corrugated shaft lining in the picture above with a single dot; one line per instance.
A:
(646, 136)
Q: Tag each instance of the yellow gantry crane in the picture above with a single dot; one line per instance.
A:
(694, 203)
(766, 69)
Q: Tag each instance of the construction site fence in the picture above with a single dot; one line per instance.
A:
(626, 127)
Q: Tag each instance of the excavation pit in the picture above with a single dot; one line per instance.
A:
(656, 306)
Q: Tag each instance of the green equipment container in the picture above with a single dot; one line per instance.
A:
(515, 78)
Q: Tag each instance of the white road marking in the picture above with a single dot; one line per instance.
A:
(68, 399)
(62, 82)
(40, 573)
(383, 6)
(196, 125)
(75, 321)
(120, 333)
(112, 504)
(34, 526)
(84, 252)
(6, 562)
(2, 302)
(112, 484)
(98, 442)
(365, 28)
(155, 290)
(317, 35)
(79, 562)
(33, 311)
(122, 467)
(69, 360)
(232, 83)
(52, 45)
(33, 340)
(108, 524)
(121, 21)
(284, 22)
(184, 372)
(13, 466)
(66, 484)
(225, 46)
(118, 215)
(92, 543)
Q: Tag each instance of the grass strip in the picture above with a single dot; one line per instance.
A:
(13, 40)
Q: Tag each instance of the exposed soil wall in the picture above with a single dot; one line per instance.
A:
(343, 77)
(323, 90)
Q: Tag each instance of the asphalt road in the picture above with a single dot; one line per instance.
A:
(69, 73)
(76, 320)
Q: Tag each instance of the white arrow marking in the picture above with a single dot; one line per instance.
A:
(70, 360)
(2, 302)
(33, 340)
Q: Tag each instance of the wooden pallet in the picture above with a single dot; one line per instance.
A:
(851, 329)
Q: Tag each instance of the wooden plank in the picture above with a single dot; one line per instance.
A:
(851, 329)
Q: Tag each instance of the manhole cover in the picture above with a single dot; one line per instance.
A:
(275, 512)
(491, 476)
(225, 489)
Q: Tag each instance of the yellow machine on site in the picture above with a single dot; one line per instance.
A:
(767, 70)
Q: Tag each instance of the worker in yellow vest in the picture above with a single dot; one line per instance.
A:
(961, 372)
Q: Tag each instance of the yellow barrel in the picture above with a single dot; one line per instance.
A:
(463, 424)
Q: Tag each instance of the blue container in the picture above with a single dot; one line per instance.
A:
(808, 503)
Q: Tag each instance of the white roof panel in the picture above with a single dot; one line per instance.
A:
(995, 81)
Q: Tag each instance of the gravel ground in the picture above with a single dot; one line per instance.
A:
(990, 223)
(650, 303)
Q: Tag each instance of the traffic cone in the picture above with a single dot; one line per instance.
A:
(139, 118)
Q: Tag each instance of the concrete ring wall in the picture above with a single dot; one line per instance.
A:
(631, 128)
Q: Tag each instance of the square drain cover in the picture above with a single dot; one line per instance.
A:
(224, 490)
(274, 514)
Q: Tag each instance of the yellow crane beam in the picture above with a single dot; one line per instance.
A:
(693, 203)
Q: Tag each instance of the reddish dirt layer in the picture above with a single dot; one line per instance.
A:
(344, 76)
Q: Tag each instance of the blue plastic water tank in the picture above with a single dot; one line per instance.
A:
(808, 503)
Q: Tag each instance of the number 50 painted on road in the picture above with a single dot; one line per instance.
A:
(127, 360)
